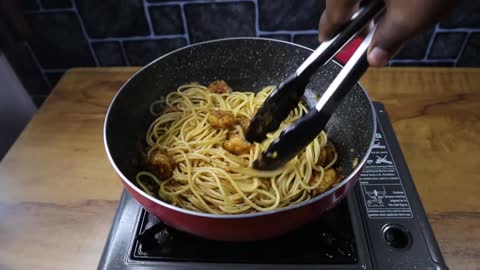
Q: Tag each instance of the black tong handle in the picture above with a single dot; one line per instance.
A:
(346, 33)
(298, 135)
(290, 91)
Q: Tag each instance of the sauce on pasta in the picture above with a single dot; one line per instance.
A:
(197, 157)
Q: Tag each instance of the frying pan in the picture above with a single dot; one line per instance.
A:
(247, 64)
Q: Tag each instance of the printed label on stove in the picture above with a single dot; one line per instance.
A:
(381, 185)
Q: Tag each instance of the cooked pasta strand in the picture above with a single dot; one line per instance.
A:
(207, 177)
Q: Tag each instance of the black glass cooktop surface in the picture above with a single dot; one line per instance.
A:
(330, 240)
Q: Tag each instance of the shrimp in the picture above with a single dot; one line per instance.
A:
(221, 119)
(237, 146)
(326, 156)
(219, 87)
(330, 179)
(160, 163)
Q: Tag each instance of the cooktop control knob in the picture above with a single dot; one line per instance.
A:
(396, 236)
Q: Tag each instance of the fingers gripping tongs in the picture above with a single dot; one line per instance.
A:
(284, 98)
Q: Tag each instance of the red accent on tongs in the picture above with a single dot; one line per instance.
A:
(346, 52)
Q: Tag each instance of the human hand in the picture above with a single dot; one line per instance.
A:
(402, 20)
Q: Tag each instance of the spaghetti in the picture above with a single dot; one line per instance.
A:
(197, 157)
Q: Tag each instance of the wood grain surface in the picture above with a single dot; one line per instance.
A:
(58, 192)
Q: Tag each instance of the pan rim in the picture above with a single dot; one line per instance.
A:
(130, 183)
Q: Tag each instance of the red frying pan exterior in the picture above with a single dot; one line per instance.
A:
(243, 229)
(246, 63)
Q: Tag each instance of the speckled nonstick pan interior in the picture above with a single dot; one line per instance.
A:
(247, 64)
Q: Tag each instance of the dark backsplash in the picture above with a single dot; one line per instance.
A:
(75, 33)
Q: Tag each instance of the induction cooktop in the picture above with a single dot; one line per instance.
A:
(381, 224)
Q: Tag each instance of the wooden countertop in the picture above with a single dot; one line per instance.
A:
(58, 192)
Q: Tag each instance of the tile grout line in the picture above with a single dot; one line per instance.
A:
(257, 18)
(169, 3)
(460, 29)
(165, 4)
(136, 38)
(146, 10)
(37, 63)
(160, 37)
(289, 32)
(462, 48)
(430, 43)
(52, 10)
(124, 54)
(85, 34)
(184, 22)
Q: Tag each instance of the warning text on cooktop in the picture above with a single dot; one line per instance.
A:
(381, 185)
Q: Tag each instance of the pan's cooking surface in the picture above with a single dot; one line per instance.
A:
(247, 65)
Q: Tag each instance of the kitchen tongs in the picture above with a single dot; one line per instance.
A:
(284, 98)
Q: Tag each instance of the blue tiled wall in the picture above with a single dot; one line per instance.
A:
(72, 33)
